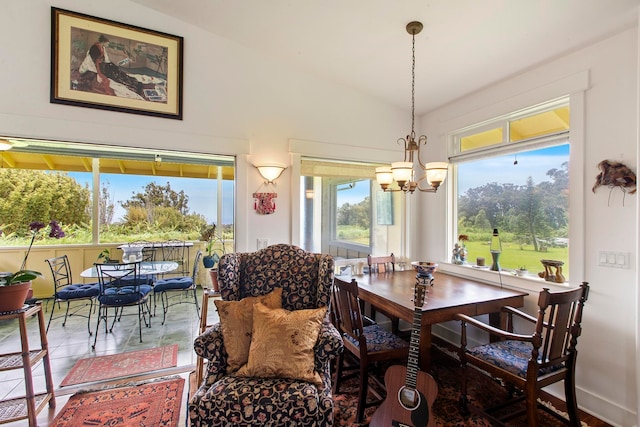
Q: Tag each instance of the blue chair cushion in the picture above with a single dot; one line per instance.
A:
(80, 290)
(379, 339)
(510, 355)
(124, 295)
(173, 283)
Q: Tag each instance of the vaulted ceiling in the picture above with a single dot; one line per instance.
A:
(465, 44)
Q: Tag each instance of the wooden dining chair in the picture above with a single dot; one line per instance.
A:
(530, 362)
(366, 344)
(383, 264)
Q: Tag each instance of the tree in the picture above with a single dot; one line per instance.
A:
(33, 195)
(106, 205)
(156, 201)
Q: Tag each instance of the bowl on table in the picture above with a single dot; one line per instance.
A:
(424, 268)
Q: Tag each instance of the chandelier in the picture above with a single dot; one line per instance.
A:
(404, 173)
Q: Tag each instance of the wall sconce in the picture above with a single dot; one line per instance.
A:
(270, 171)
(5, 145)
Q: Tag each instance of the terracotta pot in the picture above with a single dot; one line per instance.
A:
(13, 297)
(214, 280)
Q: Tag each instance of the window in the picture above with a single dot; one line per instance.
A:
(519, 185)
(131, 194)
(343, 211)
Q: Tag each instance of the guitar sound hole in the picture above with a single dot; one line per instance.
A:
(409, 398)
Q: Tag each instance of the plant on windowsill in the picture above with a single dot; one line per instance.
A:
(15, 287)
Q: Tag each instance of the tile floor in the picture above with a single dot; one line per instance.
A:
(72, 342)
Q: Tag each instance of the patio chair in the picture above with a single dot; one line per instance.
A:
(120, 287)
(65, 290)
(180, 286)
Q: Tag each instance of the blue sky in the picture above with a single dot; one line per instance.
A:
(534, 164)
(201, 192)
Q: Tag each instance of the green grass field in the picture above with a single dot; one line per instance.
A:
(515, 255)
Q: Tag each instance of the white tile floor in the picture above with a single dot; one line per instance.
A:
(72, 342)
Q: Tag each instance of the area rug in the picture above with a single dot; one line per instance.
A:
(101, 368)
(482, 392)
(149, 404)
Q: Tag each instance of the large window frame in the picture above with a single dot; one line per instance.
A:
(97, 160)
(575, 101)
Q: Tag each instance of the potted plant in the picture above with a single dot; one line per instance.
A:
(106, 256)
(214, 248)
(522, 270)
(15, 288)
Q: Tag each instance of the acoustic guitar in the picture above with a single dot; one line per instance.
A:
(408, 404)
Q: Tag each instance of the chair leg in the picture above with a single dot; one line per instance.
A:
(53, 308)
(362, 395)
(195, 300)
(338, 373)
(570, 397)
(89, 316)
(164, 297)
(532, 407)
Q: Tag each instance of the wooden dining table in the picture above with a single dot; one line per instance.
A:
(393, 292)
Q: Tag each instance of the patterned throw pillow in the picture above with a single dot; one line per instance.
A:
(236, 322)
(282, 344)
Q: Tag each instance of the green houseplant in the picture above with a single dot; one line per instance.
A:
(214, 246)
(15, 287)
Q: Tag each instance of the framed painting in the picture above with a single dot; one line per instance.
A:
(109, 65)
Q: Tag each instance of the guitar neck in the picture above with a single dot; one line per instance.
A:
(414, 349)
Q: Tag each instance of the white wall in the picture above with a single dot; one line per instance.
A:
(240, 103)
(235, 102)
(608, 129)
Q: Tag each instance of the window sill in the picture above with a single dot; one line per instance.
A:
(509, 279)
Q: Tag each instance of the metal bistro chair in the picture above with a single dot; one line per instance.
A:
(120, 287)
(67, 291)
(180, 285)
(176, 250)
(532, 361)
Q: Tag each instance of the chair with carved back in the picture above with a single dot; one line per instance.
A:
(366, 344)
(530, 361)
(383, 264)
(230, 393)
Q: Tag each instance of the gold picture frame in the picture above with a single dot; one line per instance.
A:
(98, 63)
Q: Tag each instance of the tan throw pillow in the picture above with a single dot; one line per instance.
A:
(236, 322)
(282, 344)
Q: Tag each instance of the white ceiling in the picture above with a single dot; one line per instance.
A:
(465, 44)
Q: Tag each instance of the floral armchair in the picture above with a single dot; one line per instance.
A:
(221, 400)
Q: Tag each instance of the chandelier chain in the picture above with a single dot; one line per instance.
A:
(413, 82)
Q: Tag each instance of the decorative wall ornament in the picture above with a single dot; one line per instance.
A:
(264, 203)
(615, 174)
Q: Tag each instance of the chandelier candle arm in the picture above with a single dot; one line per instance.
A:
(404, 172)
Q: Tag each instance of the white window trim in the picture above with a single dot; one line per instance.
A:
(579, 83)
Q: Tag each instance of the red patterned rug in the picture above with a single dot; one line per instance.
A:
(121, 365)
(482, 392)
(152, 404)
